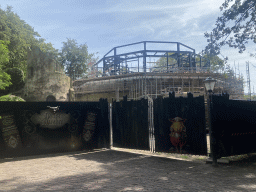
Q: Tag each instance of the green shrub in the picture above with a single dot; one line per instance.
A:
(11, 98)
(17, 79)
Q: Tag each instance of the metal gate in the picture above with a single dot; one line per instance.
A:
(130, 124)
(151, 125)
(179, 125)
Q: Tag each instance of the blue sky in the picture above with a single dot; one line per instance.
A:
(104, 24)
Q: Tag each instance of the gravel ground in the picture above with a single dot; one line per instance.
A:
(125, 170)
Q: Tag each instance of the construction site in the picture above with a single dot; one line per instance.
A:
(150, 69)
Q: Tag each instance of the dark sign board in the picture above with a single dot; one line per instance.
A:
(10, 132)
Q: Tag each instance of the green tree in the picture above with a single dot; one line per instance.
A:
(235, 27)
(11, 79)
(229, 72)
(47, 47)
(214, 61)
(161, 64)
(17, 80)
(207, 60)
(21, 37)
(5, 79)
(75, 58)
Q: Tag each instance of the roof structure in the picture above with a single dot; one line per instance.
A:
(136, 57)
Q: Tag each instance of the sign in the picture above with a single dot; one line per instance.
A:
(48, 119)
(178, 133)
(9, 131)
(89, 126)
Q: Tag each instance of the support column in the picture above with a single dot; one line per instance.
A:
(190, 63)
(144, 58)
(167, 61)
(194, 60)
(126, 66)
(178, 52)
(138, 64)
(115, 61)
(104, 66)
(200, 61)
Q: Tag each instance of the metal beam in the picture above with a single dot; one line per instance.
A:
(108, 52)
(148, 42)
(160, 51)
(186, 46)
(115, 59)
(129, 44)
(104, 65)
(161, 42)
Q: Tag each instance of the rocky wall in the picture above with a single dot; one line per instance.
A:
(45, 78)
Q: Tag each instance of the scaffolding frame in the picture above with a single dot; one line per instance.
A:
(123, 74)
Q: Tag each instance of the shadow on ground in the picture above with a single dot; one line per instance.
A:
(124, 171)
(244, 160)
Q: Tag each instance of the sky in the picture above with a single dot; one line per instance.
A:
(104, 24)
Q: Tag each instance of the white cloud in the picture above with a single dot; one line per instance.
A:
(176, 17)
(130, 8)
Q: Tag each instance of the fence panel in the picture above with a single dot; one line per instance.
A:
(179, 125)
(130, 124)
(29, 128)
(233, 126)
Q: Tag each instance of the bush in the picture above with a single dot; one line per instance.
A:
(17, 79)
(11, 98)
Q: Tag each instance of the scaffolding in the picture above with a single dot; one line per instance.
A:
(141, 85)
(133, 74)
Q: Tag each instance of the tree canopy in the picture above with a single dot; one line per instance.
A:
(161, 64)
(236, 27)
(75, 58)
(21, 36)
(207, 60)
(16, 38)
(214, 61)
(5, 79)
